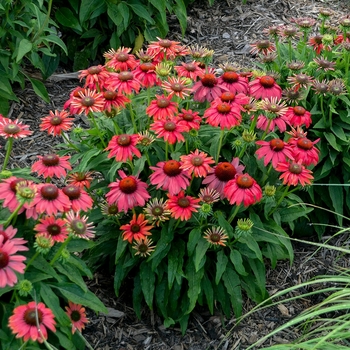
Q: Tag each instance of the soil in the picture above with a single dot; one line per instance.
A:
(227, 27)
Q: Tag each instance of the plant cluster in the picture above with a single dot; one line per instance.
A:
(185, 178)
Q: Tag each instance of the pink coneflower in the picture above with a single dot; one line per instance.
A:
(177, 86)
(79, 199)
(216, 236)
(78, 226)
(127, 192)
(53, 227)
(170, 130)
(13, 128)
(143, 247)
(223, 114)
(123, 82)
(156, 211)
(9, 234)
(122, 147)
(262, 46)
(197, 163)
(299, 116)
(221, 174)
(120, 60)
(74, 94)
(8, 192)
(208, 87)
(164, 48)
(300, 80)
(265, 87)
(136, 229)
(146, 74)
(114, 100)
(304, 150)
(294, 173)
(80, 178)
(162, 108)
(77, 316)
(243, 189)
(190, 70)
(274, 151)
(9, 262)
(170, 177)
(182, 206)
(87, 101)
(56, 123)
(190, 119)
(50, 199)
(94, 76)
(23, 321)
(234, 82)
(52, 165)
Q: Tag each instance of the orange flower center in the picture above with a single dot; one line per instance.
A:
(209, 80)
(183, 202)
(225, 171)
(298, 110)
(128, 185)
(267, 81)
(197, 161)
(56, 120)
(4, 259)
(169, 126)
(75, 316)
(163, 102)
(87, 101)
(134, 228)
(12, 129)
(73, 192)
(30, 316)
(227, 96)
(110, 95)
(124, 140)
(145, 67)
(94, 70)
(164, 43)
(14, 183)
(122, 57)
(245, 181)
(125, 76)
(305, 143)
(223, 108)
(230, 77)
(49, 192)
(172, 168)
(53, 229)
(295, 168)
(276, 145)
(50, 160)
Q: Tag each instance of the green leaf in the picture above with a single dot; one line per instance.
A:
(259, 271)
(337, 196)
(193, 239)
(121, 246)
(224, 224)
(175, 261)
(87, 158)
(81, 265)
(199, 255)
(160, 5)
(221, 264)
(233, 287)
(42, 265)
(332, 141)
(181, 14)
(40, 89)
(73, 274)
(141, 11)
(24, 47)
(251, 243)
(339, 132)
(237, 262)
(208, 292)
(148, 279)
(87, 8)
(137, 296)
(194, 284)
(163, 246)
(56, 40)
(66, 17)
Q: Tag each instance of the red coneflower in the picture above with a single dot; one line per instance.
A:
(190, 119)
(243, 189)
(294, 173)
(9, 262)
(123, 82)
(56, 123)
(273, 151)
(136, 229)
(221, 174)
(114, 100)
(78, 226)
(316, 43)
(80, 178)
(79, 199)
(156, 211)
(182, 206)
(265, 87)
(162, 108)
(127, 192)
(304, 150)
(53, 227)
(298, 116)
(146, 74)
(170, 177)
(216, 236)
(94, 76)
(77, 316)
(120, 60)
(13, 129)
(164, 48)
(177, 86)
(23, 321)
(122, 147)
(86, 102)
(190, 70)
(197, 163)
(169, 129)
(52, 165)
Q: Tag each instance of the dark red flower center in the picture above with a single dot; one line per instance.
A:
(125, 76)
(49, 192)
(4, 234)
(188, 117)
(298, 110)
(172, 168)
(190, 67)
(164, 43)
(163, 102)
(4, 259)
(94, 70)
(244, 181)
(169, 126)
(263, 44)
(110, 95)
(78, 226)
(177, 87)
(302, 78)
(305, 143)
(227, 96)
(183, 202)
(30, 316)
(124, 140)
(122, 57)
(267, 81)
(75, 316)
(215, 237)
(56, 120)
(14, 184)
(157, 210)
(295, 168)
(128, 185)
(197, 161)
(87, 101)
(145, 67)
(230, 77)
(276, 145)
(223, 108)
(73, 192)
(134, 228)
(12, 129)
(50, 160)
(209, 80)
(53, 229)
(225, 171)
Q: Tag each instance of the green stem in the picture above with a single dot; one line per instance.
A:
(267, 129)
(278, 49)
(233, 214)
(347, 56)
(280, 200)
(85, 341)
(59, 251)
(322, 109)
(31, 260)
(8, 152)
(13, 215)
(97, 129)
(220, 144)
(68, 142)
(46, 21)
(166, 150)
(118, 131)
(290, 49)
(132, 117)
(330, 115)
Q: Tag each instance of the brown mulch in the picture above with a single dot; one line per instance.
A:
(227, 27)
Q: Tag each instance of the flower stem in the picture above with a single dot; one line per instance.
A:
(132, 117)
(267, 129)
(118, 131)
(220, 144)
(233, 214)
(31, 260)
(85, 341)
(58, 253)
(8, 152)
(68, 142)
(330, 115)
(280, 200)
(166, 150)
(13, 215)
(97, 129)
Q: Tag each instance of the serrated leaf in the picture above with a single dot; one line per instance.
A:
(148, 279)
(221, 264)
